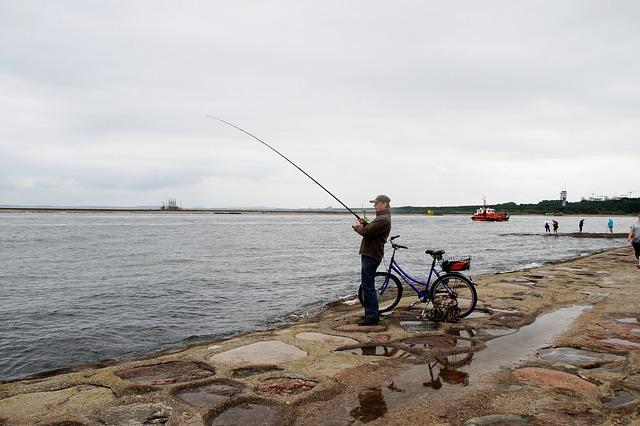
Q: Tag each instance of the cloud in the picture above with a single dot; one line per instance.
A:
(105, 102)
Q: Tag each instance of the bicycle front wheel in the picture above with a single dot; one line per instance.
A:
(458, 287)
(388, 297)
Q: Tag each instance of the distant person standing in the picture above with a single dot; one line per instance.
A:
(610, 225)
(634, 239)
(555, 226)
(547, 228)
(581, 224)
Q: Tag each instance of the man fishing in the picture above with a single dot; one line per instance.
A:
(374, 235)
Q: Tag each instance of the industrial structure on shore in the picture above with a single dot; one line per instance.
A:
(171, 204)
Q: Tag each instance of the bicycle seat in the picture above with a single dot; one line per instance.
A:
(435, 253)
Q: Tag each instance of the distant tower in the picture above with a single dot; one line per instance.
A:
(563, 197)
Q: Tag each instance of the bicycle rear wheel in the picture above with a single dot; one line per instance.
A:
(390, 297)
(458, 287)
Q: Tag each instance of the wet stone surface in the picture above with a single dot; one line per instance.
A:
(206, 395)
(628, 320)
(419, 326)
(379, 350)
(621, 399)
(581, 358)
(552, 378)
(380, 338)
(269, 352)
(167, 373)
(620, 343)
(284, 386)
(477, 314)
(497, 420)
(350, 328)
(632, 382)
(36, 407)
(135, 414)
(326, 338)
(248, 414)
(491, 333)
(253, 370)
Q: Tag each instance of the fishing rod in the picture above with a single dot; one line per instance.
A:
(294, 164)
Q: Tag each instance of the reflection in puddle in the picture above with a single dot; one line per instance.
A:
(620, 399)
(245, 415)
(439, 341)
(208, 394)
(449, 373)
(524, 343)
(380, 350)
(372, 405)
(490, 333)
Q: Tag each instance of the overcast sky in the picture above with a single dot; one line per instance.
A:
(432, 103)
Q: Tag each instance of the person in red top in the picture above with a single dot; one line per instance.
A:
(374, 235)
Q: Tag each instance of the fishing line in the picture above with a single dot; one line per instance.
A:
(280, 154)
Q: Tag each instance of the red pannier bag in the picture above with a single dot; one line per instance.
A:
(451, 265)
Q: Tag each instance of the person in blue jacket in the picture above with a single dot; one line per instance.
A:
(610, 225)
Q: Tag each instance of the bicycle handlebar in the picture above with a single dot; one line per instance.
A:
(398, 246)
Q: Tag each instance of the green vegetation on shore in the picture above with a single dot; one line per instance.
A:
(613, 207)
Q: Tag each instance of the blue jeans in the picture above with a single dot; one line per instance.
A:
(369, 267)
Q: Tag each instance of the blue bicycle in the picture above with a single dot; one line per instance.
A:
(451, 291)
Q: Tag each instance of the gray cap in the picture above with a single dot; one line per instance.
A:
(381, 198)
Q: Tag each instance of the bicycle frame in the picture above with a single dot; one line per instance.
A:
(393, 266)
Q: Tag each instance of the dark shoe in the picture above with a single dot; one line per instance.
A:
(368, 321)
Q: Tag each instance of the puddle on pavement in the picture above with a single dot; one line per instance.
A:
(620, 399)
(524, 343)
(379, 350)
(247, 414)
(582, 358)
(252, 371)
(208, 395)
(372, 405)
(492, 333)
(477, 314)
(621, 342)
(166, 373)
(438, 341)
(449, 373)
(505, 311)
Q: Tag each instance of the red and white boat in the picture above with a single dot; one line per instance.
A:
(487, 214)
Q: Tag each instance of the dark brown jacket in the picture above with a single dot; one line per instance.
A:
(375, 234)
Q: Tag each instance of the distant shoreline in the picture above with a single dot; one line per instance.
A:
(246, 211)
